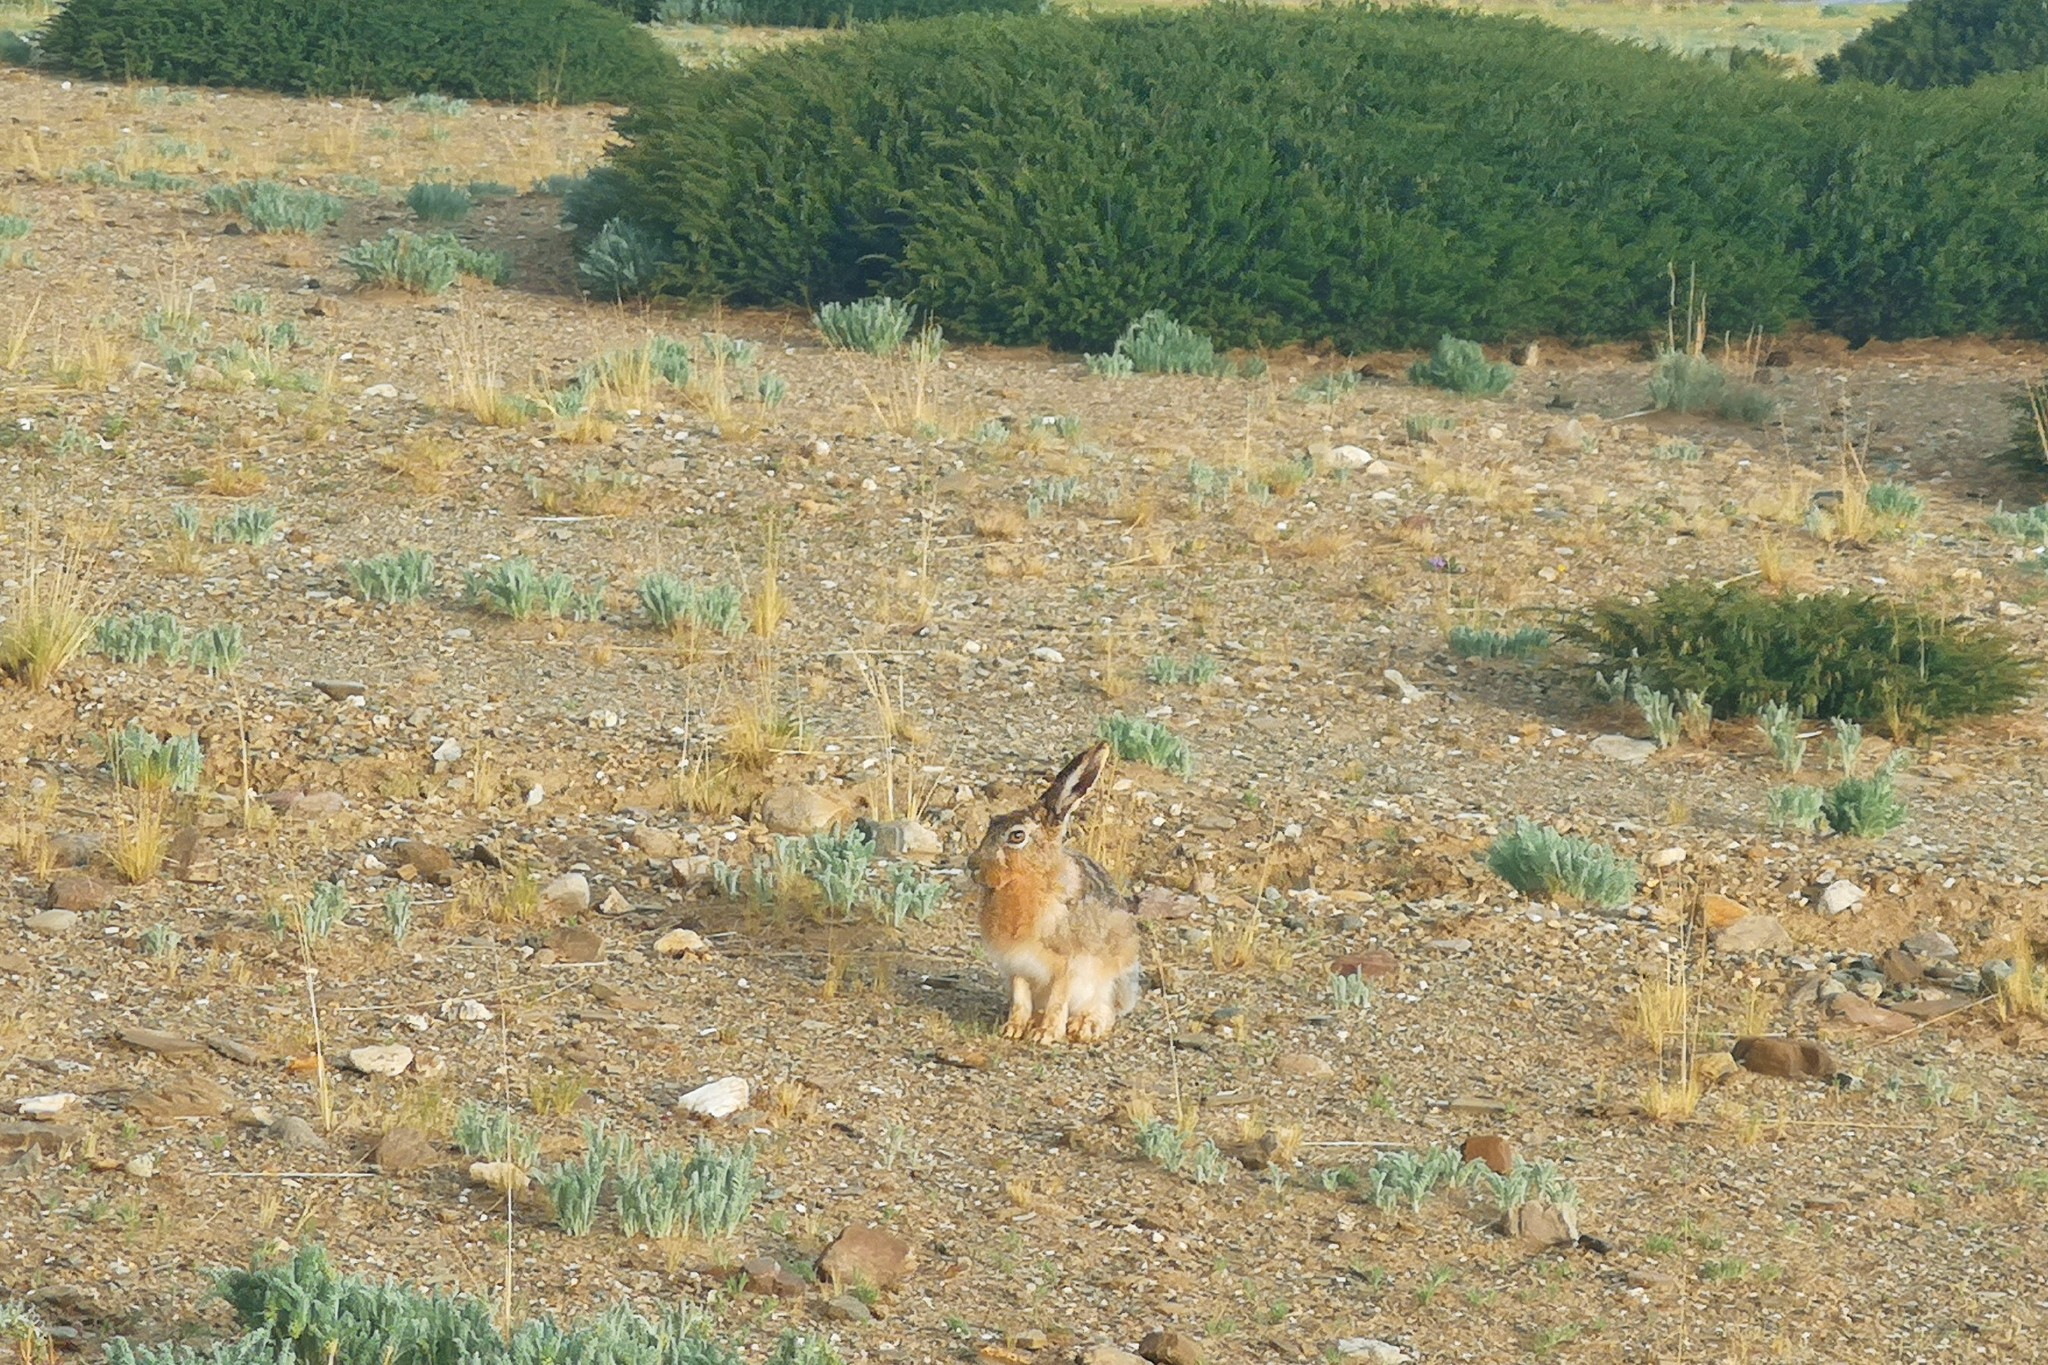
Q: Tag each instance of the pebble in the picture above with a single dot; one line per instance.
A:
(846, 1308)
(1402, 688)
(447, 751)
(1852, 1008)
(573, 943)
(1841, 895)
(142, 1167)
(655, 843)
(1721, 911)
(1654, 1282)
(568, 894)
(1753, 934)
(50, 922)
(867, 1255)
(771, 1278)
(1622, 749)
(1165, 1346)
(1931, 945)
(795, 809)
(1303, 1066)
(384, 1059)
(335, 689)
(429, 862)
(402, 1149)
(1790, 1059)
(1374, 964)
(159, 1042)
(79, 892)
(1369, 1349)
(46, 1106)
(1350, 457)
(1102, 1353)
(717, 1099)
(503, 1176)
(685, 943)
(1448, 945)
(904, 839)
(297, 1134)
(381, 391)
(1540, 1223)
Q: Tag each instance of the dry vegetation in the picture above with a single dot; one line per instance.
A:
(948, 573)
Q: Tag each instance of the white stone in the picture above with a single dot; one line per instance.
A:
(384, 1059)
(1372, 1350)
(683, 943)
(46, 1106)
(1350, 457)
(727, 1095)
(1841, 895)
(381, 391)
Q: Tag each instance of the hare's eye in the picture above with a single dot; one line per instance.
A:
(1019, 835)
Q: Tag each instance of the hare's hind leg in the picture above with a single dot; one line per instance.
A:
(1051, 1024)
(1022, 1008)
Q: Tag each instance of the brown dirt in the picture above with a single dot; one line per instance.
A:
(1896, 1222)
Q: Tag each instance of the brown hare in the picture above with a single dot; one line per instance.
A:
(1053, 921)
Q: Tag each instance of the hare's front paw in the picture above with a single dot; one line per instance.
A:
(1017, 1026)
(1087, 1028)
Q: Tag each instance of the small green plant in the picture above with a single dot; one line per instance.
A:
(1539, 861)
(771, 390)
(217, 650)
(1156, 344)
(1461, 367)
(796, 1349)
(139, 638)
(2029, 527)
(1867, 807)
(14, 227)
(267, 206)
(159, 940)
(421, 264)
(252, 526)
(837, 863)
(1421, 427)
(398, 913)
(1205, 1164)
(1894, 503)
(1351, 993)
(438, 202)
(1162, 1144)
(620, 262)
(314, 919)
(711, 1194)
(1780, 723)
(1524, 642)
(878, 326)
(1613, 690)
(1199, 671)
(515, 588)
(909, 895)
(1660, 713)
(1403, 1178)
(1052, 492)
(1691, 383)
(431, 104)
(1679, 452)
(675, 606)
(1527, 1182)
(1794, 808)
(141, 760)
(1137, 740)
(575, 1188)
(1695, 717)
(406, 576)
(490, 1133)
(1327, 388)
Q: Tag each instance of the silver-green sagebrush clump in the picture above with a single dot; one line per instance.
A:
(1539, 861)
(1138, 740)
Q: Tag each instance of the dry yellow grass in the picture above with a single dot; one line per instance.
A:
(768, 607)
(423, 462)
(138, 851)
(54, 614)
(711, 792)
(226, 478)
(2023, 994)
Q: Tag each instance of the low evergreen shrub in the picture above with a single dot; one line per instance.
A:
(421, 264)
(571, 51)
(1461, 367)
(435, 202)
(1944, 42)
(267, 206)
(1539, 861)
(1369, 177)
(825, 13)
(1852, 655)
(1684, 382)
(878, 325)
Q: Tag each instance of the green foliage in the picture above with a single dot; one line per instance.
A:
(1156, 344)
(709, 1195)
(2029, 527)
(1524, 642)
(1660, 713)
(829, 13)
(246, 526)
(574, 1189)
(2028, 448)
(139, 759)
(14, 227)
(568, 51)
(1168, 1148)
(1867, 807)
(1683, 382)
(1404, 1179)
(16, 48)
(1780, 723)
(1854, 655)
(796, 1349)
(398, 912)
(488, 1132)
(1539, 861)
(1526, 1182)
(674, 605)
(219, 650)
(1794, 808)
(1199, 671)
(1373, 177)
(406, 576)
(1944, 42)
(435, 202)
(878, 326)
(1895, 503)
(421, 264)
(1137, 740)
(141, 637)
(1461, 367)
(619, 263)
(1351, 992)
(257, 1348)
(515, 588)
(267, 206)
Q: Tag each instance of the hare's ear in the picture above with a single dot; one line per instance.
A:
(1073, 783)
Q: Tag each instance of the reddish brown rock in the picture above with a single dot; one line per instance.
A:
(1721, 911)
(402, 1149)
(1496, 1151)
(1853, 1009)
(1164, 1346)
(426, 862)
(77, 892)
(1374, 964)
(573, 943)
(773, 1279)
(869, 1256)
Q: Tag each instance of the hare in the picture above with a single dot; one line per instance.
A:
(1053, 921)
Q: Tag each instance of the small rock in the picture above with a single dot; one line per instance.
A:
(568, 894)
(1841, 895)
(447, 751)
(1852, 1008)
(1374, 964)
(467, 1011)
(1931, 945)
(402, 1149)
(79, 892)
(296, 1134)
(1370, 1349)
(867, 1255)
(142, 1167)
(614, 903)
(1160, 902)
(904, 839)
(52, 1138)
(684, 943)
(381, 391)
(691, 872)
(75, 850)
(1495, 1151)
(1900, 967)
(1448, 945)
(503, 1176)
(1303, 1066)
(1754, 934)
(1622, 749)
(1721, 911)
(1540, 1223)
(335, 689)
(1102, 1353)
(51, 922)
(773, 1279)
(46, 1106)
(191, 857)
(232, 1050)
(1402, 688)
(308, 806)
(1653, 1282)
(429, 862)
(794, 809)
(1165, 1346)
(385, 1059)
(573, 943)
(655, 843)
(161, 1043)
(1787, 1058)
(717, 1099)
(1667, 857)
(845, 1308)
(1528, 353)
(191, 1097)
(1568, 436)
(1349, 457)
(1046, 654)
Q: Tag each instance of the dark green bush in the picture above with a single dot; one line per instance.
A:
(1373, 178)
(834, 13)
(1850, 655)
(566, 50)
(1945, 42)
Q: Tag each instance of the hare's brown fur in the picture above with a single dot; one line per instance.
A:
(1053, 919)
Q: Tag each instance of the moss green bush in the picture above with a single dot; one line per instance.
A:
(1374, 178)
(825, 13)
(1944, 42)
(1461, 367)
(572, 51)
(1539, 861)
(1851, 655)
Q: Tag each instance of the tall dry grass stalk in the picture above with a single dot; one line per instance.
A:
(54, 612)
